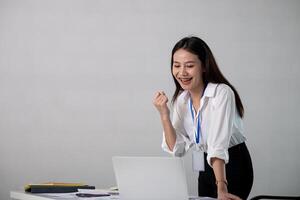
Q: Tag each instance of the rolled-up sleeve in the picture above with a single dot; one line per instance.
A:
(183, 142)
(222, 122)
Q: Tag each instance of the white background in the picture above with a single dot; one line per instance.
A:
(77, 80)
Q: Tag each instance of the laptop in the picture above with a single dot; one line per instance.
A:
(150, 178)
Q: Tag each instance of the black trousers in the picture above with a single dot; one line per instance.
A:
(239, 174)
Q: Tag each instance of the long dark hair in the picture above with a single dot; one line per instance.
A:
(212, 72)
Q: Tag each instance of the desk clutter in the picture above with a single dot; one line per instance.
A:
(53, 187)
(69, 191)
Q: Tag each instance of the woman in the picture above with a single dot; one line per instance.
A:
(207, 114)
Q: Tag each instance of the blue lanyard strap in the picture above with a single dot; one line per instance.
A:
(198, 132)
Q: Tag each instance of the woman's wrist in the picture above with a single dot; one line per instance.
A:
(165, 117)
(221, 185)
(221, 182)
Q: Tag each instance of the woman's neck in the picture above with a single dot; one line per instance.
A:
(196, 95)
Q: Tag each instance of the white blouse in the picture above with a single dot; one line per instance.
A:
(220, 124)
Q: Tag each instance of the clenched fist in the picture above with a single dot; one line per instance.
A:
(160, 101)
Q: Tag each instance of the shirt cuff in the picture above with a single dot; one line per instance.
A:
(180, 148)
(217, 153)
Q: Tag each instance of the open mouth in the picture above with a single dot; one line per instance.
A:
(185, 81)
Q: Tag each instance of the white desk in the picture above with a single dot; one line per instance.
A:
(21, 195)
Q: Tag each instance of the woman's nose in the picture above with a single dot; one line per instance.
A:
(183, 71)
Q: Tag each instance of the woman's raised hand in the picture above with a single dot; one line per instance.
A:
(160, 101)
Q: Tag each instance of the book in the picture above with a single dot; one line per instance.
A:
(53, 187)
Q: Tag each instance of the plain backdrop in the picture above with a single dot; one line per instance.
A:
(77, 78)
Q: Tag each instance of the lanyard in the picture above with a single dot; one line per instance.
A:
(198, 131)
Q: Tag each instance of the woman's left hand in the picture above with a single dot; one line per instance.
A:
(227, 196)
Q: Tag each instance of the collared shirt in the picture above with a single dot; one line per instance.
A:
(221, 125)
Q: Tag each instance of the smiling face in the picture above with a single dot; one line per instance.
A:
(187, 70)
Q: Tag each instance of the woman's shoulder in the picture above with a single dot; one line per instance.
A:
(223, 89)
(183, 96)
(179, 105)
(181, 100)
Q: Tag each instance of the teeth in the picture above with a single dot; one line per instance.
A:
(185, 79)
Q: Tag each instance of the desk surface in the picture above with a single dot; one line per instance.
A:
(21, 195)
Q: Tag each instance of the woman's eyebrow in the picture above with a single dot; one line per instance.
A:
(190, 61)
(184, 62)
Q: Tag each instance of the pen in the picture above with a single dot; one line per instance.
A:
(91, 195)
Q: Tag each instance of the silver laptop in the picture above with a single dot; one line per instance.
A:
(150, 178)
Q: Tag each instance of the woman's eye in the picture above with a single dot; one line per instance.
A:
(176, 66)
(190, 66)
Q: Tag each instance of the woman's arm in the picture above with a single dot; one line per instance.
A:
(160, 102)
(169, 132)
(218, 166)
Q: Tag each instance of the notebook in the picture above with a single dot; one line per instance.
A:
(150, 178)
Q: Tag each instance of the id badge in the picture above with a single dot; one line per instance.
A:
(198, 160)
